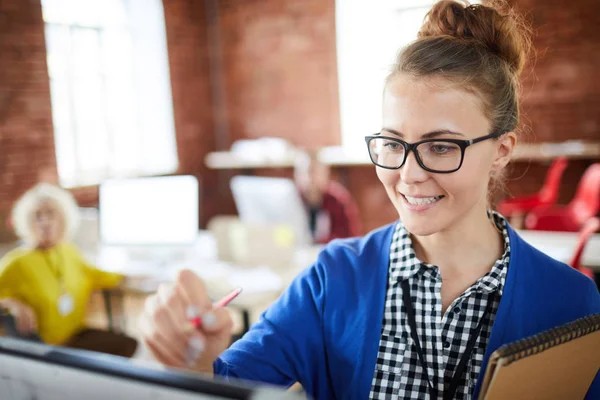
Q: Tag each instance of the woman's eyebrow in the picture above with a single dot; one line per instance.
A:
(428, 135)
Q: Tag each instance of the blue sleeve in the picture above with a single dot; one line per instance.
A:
(594, 390)
(286, 345)
(592, 302)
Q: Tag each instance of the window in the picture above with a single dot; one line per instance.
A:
(110, 89)
(369, 35)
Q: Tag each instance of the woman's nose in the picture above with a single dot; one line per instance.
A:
(411, 171)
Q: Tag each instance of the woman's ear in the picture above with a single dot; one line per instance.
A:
(505, 147)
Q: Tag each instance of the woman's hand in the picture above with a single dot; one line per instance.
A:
(168, 333)
(25, 319)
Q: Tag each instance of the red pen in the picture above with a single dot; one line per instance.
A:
(197, 321)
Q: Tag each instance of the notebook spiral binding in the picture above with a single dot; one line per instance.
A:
(550, 338)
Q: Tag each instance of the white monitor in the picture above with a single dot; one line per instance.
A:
(149, 211)
(271, 201)
(36, 371)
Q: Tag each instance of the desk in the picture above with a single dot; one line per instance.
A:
(561, 245)
(262, 285)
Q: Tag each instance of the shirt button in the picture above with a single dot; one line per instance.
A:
(446, 344)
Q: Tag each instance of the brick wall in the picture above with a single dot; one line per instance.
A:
(26, 134)
(189, 66)
(280, 71)
(561, 93)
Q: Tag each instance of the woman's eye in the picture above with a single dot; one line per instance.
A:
(392, 145)
(439, 148)
(442, 148)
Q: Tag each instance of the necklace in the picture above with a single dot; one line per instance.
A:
(66, 304)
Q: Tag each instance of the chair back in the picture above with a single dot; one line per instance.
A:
(586, 203)
(549, 192)
(592, 225)
(551, 218)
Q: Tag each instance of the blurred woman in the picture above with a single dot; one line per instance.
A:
(46, 284)
(333, 213)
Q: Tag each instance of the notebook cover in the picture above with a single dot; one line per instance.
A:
(562, 371)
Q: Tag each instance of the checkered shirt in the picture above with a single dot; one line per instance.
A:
(443, 337)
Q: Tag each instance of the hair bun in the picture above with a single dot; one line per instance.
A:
(499, 30)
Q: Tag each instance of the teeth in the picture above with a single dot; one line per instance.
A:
(419, 201)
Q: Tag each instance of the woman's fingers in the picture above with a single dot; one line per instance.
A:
(158, 329)
(169, 298)
(168, 332)
(192, 291)
(32, 319)
(22, 324)
(216, 321)
(25, 319)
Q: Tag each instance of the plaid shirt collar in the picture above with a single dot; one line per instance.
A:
(402, 270)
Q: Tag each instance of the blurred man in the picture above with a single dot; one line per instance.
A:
(332, 211)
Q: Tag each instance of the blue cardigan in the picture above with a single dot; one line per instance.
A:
(324, 330)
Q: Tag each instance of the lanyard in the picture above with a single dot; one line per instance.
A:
(462, 364)
(56, 269)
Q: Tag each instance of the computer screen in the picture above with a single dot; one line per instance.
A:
(36, 371)
(271, 201)
(149, 211)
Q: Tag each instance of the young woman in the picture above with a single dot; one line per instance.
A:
(46, 284)
(413, 309)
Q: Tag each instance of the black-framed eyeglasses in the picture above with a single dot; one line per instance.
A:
(441, 156)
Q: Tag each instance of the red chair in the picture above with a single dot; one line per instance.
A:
(592, 225)
(570, 218)
(547, 195)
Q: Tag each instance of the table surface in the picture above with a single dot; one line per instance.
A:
(561, 246)
(148, 269)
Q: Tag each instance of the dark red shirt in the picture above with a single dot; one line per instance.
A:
(337, 217)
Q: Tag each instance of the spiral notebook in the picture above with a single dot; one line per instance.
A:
(560, 363)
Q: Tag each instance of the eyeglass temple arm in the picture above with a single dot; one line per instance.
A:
(486, 137)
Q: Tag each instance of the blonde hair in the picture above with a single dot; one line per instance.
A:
(32, 199)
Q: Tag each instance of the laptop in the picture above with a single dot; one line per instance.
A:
(37, 371)
(272, 201)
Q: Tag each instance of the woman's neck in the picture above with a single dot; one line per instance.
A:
(465, 251)
(46, 246)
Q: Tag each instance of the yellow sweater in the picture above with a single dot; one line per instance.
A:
(34, 277)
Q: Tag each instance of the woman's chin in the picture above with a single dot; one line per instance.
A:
(420, 225)
(46, 243)
(419, 229)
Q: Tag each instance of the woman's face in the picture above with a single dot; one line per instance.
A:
(312, 179)
(432, 202)
(48, 224)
